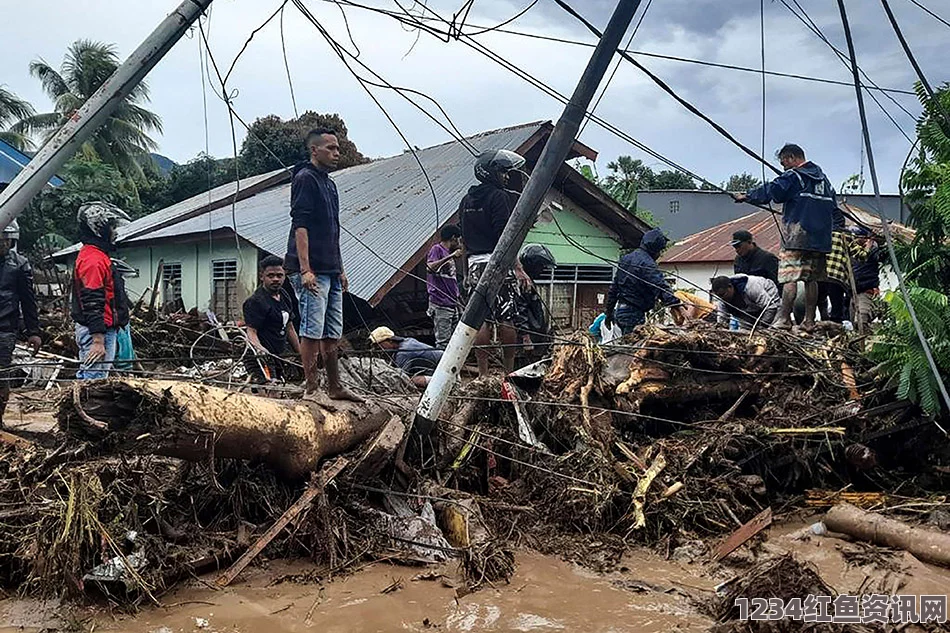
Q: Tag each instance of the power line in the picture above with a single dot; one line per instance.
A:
(932, 14)
(811, 26)
(920, 74)
(911, 311)
(339, 50)
(603, 91)
(666, 88)
(283, 48)
(686, 60)
(547, 89)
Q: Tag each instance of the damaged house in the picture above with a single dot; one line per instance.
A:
(203, 252)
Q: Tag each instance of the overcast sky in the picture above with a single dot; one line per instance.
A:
(479, 95)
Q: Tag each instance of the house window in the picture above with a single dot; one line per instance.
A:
(171, 283)
(224, 300)
(674, 206)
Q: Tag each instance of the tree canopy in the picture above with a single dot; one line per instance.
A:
(123, 141)
(286, 140)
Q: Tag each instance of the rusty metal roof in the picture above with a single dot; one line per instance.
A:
(713, 245)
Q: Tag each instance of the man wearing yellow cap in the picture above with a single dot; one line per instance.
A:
(415, 358)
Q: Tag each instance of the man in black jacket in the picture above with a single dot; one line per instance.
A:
(16, 295)
(484, 212)
(752, 260)
(315, 264)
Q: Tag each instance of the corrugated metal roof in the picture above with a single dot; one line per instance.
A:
(387, 204)
(713, 244)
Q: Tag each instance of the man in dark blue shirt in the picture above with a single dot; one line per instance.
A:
(268, 317)
(314, 261)
(808, 209)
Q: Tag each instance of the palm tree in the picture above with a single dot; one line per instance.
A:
(123, 141)
(13, 109)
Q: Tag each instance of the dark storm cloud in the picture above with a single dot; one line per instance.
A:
(479, 95)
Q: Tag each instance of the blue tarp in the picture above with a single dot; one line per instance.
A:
(12, 161)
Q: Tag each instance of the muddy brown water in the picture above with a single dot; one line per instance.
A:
(648, 594)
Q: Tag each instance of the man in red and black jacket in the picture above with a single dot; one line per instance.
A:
(99, 301)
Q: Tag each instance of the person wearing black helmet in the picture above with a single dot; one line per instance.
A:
(532, 317)
(17, 296)
(484, 212)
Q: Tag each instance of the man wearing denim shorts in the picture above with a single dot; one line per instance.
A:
(314, 261)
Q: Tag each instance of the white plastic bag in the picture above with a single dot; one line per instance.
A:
(609, 334)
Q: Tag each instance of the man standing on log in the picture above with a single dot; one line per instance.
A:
(808, 201)
(315, 263)
(100, 307)
(16, 295)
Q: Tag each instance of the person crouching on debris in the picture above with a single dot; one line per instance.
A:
(268, 316)
(808, 201)
(638, 284)
(754, 301)
(484, 212)
(413, 357)
(98, 299)
(16, 295)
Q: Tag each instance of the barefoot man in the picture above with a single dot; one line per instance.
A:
(808, 204)
(314, 261)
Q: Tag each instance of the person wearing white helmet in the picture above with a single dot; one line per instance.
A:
(484, 212)
(100, 306)
(17, 296)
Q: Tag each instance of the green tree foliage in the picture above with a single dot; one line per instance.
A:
(668, 179)
(741, 182)
(852, 184)
(623, 183)
(53, 211)
(12, 110)
(926, 184)
(900, 353)
(926, 263)
(184, 181)
(286, 140)
(123, 141)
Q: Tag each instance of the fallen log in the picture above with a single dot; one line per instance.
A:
(927, 545)
(196, 422)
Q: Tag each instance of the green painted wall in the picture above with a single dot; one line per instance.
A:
(580, 226)
(196, 259)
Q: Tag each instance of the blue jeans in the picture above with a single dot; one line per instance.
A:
(102, 368)
(321, 311)
(628, 317)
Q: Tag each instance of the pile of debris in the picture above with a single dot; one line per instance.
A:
(668, 436)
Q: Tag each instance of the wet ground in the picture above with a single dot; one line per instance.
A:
(647, 594)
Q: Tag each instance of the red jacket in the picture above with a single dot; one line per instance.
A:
(94, 290)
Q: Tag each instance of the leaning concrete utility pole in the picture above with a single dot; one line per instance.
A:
(87, 119)
(523, 217)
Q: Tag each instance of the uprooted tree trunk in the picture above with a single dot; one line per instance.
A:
(196, 422)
